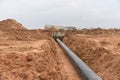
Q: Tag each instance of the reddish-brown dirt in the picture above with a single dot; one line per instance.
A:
(101, 53)
(32, 55)
(11, 24)
(38, 60)
(97, 31)
(42, 59)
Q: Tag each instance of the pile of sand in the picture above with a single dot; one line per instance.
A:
(12, 30)
(101, 60)
(38, 62)
(27, 54)
(25, 35)
(31, 55)
(96, 31)
(11, 24)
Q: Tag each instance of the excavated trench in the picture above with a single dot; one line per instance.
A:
(28, 55)
(33, 55)
(101, 53)
(33, 58)
(85, 71)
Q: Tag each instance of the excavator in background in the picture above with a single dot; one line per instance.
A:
(59, 34)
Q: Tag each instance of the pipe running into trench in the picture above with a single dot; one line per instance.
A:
(84, 69)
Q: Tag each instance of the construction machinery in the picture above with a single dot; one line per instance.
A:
(85, 71)
(58, 34)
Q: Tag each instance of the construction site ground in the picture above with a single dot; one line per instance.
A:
(100, 52)
(35, 55)
(29, 58)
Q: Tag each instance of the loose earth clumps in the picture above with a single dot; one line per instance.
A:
(34, 55)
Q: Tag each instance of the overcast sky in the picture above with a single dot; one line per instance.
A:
(80, 13)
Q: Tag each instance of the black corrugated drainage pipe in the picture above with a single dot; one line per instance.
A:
(85, 70)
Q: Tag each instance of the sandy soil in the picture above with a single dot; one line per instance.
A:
(34, 55)
(38, 60)
(66, 64)
(101, 53)
(11, 24)
(30, 55)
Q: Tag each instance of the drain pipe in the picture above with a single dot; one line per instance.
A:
(85, 70)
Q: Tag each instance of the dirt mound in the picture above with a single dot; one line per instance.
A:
(31, 55)
(23, 35)
(102, 60)
(38, 62)
(11, 24)
(94, 31)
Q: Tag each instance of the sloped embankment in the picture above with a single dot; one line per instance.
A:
(101, 60)
(36, 61)
(23, 35)
(31, 55)
(11, 24)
